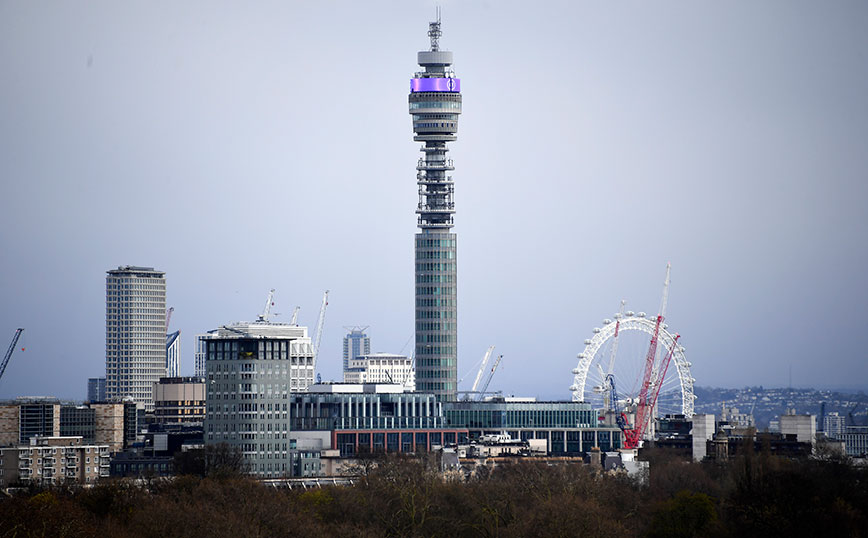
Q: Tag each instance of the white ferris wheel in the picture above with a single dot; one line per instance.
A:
(615, 356)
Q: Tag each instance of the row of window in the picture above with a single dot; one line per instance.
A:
(428, 349)
(426, 125)
(439, 279)
(422, 302)
(435, 242)
(435, 254)
(435, 314)
(435, 326)
(443, 105)
(435, 267)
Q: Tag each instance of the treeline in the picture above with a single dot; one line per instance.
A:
(750, 495)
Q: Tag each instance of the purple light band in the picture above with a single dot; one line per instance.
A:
(435, 85)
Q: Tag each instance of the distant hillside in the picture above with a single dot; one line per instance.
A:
(770, 403)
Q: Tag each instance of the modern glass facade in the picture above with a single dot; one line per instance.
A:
(569, 427)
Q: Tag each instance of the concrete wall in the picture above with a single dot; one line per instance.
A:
(9, 425)
(109, 427)
(703, 430)
(804, 427)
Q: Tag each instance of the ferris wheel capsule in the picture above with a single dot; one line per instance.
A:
(574, 387)
(587, 341)
(597, 330)
(607, 321)
(641, 314)
(576, 371)
(630, 313)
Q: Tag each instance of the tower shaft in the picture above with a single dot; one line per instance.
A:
(435, 104)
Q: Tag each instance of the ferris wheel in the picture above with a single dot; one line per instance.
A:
(600, 358)
(662, 389)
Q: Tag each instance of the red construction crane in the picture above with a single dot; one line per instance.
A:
(650, 383)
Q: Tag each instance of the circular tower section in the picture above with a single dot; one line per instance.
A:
(435, 104)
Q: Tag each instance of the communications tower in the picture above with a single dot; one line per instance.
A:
(435, 103)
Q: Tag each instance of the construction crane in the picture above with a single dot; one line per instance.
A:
(266, 311)
(651, 384)
(294, 320)
(481, 368)
(319, 325)
(10, 350)
(620, 417)
(615, 337)
(490, 375)
(169, 317)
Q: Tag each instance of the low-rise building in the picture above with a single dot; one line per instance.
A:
(569, 428)
(110, 423)
(381, 368)
(53, 460)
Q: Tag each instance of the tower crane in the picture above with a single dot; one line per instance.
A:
(481, 368)
(319, 325)
(9, 351)
(294, 320)
(615, 337)
(266, 311)
(490, 375)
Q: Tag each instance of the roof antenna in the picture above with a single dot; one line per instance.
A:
(434, 32)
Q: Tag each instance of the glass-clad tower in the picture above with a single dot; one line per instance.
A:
(435, 103)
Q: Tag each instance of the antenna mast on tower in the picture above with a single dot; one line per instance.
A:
(434, 32)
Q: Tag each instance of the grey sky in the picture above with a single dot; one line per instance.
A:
(245, 146)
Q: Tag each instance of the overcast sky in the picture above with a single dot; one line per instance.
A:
(253, 145)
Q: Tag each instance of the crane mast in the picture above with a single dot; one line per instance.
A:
(482, 368)
(169, 317)
(490, 375)
(319, 325)
(266, 311)
(9, 351)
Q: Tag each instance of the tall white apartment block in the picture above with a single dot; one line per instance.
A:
(135, 333)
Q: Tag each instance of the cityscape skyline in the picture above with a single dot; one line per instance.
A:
(740, 160)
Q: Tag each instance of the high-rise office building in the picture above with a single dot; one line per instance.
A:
(356, 343)
(135, 331)
(251, 371)
(435, 104)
